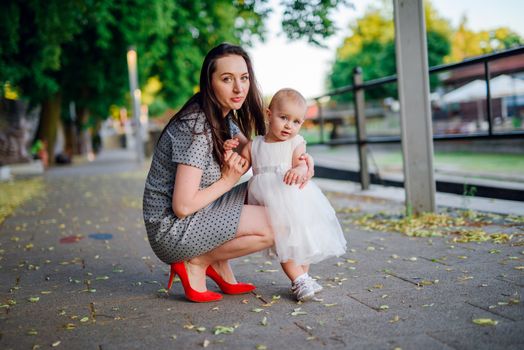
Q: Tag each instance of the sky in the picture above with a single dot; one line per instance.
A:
(279, 63)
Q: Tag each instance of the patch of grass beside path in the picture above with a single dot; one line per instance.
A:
(466, 161)
(16, 193)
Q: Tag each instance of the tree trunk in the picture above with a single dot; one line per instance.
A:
(49, 119)
(84, 136)
(71, 139)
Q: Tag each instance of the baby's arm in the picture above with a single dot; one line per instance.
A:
(298, 173)
(238, 143)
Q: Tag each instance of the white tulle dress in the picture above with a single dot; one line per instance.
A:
(306, 227)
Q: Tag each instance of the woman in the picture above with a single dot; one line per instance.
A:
(195, 216)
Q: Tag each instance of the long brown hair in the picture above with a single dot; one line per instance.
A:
(249, 118)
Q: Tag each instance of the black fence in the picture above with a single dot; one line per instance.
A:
(478, 99)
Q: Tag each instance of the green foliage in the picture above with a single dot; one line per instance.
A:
(371, 46)
(467, 43)
(309, 19)
(77, 49)
(94, 72)
(32, 34)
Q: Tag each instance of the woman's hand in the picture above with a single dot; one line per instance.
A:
(310, 169)
(234, 167)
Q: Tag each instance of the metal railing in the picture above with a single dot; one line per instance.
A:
(359, 87)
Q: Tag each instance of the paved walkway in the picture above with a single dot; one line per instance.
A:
(76, 272)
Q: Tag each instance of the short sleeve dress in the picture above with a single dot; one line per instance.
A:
(187, 140)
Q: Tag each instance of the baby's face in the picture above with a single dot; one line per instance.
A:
(285, 120)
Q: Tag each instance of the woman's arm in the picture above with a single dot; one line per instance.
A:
(188, 198)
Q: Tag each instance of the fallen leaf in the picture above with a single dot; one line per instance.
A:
(395, 318)
(485, 321)
(223, 330)
(298, 311)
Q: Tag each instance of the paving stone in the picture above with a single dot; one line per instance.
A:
(433, 287)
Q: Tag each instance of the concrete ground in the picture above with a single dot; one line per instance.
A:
(77, 272)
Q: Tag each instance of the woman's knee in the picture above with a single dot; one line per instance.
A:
(268, 237)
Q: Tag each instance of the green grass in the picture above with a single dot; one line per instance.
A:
(465, 161)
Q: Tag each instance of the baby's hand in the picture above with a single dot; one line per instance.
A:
(295, 176)
(231, 144)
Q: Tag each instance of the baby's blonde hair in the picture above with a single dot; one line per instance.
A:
(287, 94)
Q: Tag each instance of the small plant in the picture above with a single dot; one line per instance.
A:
(469, 192)
(409, 210)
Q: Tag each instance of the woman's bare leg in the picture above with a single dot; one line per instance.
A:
(254, 233)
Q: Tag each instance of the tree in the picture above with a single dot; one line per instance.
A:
(32, 34)
(467, 43)
(309, 19)
(54, 52)
(371, 46)
(94, 72)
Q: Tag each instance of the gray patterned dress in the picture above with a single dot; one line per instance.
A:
(187, 140)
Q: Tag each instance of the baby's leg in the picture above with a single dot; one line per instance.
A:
(300, 280)
(292, 270)
(305, 268)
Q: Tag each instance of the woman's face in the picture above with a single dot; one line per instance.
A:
(230, 82)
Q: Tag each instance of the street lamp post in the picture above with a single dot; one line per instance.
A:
(135, 97)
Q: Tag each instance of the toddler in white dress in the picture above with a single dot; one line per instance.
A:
(305, 225)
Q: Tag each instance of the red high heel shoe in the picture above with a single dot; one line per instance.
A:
(179, 269)
(229, 288)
